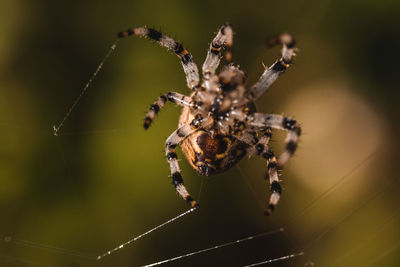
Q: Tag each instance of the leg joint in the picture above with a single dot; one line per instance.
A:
(279, 66)
(269, 154)
(154, 35)
(171, 156)
(289, 124)
(155, 108)
(272, 165)
(170, 145)
(163, 98)
(276, 187)
(177, 179)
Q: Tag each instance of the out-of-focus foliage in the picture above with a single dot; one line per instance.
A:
(105, 179)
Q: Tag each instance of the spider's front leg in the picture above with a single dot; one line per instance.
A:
(173, 97)
(224, 39)
(173, 140)
(272, 73)
(188, 64)
(280, 122)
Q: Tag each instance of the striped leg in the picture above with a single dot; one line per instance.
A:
(276, 189)
(176, 98)
(173, 140)
(282, 123)
(272, 166)
(189, 66)
(260, 147)
(272, 73)
(224, 39)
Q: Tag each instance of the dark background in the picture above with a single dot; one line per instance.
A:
(64, 200)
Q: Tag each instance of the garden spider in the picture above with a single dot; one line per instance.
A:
(219, 125)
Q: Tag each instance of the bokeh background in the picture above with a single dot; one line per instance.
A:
(64, 200)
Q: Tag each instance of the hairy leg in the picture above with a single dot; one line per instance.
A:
(275, 187)
(188, 64)
(224, 39)
(259, 146)
(172, 141)
(176, 98)
(272, 73)
(280, 122)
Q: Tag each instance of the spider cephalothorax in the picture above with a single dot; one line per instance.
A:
(219, 124)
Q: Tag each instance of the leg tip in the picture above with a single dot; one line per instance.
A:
(126, 33)
(194, 204)
(147, 123)
(122, 34)
(269, 210)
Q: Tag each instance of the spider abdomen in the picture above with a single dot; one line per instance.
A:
(209, 154)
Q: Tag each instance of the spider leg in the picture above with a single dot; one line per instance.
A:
(188, 64)
(260, 147)
(172, 141)
(224, 39)
(275, 187)
(176, 98)
(280, 122)
(272, 73)
(263, 150)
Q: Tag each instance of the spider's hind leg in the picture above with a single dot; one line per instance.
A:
(173, 140)
(280, 122)
(260, 147)
(173, 97)
(272, 174)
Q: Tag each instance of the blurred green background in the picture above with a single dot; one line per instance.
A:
(103, 180)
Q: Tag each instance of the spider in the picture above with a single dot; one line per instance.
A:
(219, 124)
